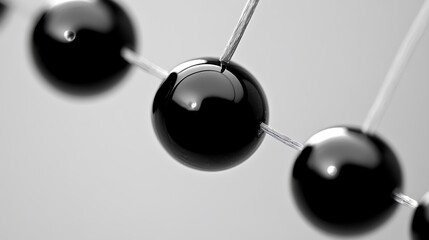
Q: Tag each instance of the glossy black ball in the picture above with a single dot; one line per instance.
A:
(343, 180)
(77, 45)
(420, 223)
(208, 119)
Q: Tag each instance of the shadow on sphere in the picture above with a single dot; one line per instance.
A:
(345, 230)
(97, 89)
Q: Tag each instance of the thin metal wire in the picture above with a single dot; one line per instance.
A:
(282, 138)
(238, 33)
(397, 68)
(141, 62)
(405, 200)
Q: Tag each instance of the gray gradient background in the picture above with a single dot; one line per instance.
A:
(93, 169)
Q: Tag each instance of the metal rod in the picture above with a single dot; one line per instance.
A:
(405, 200)
(282, 138)
(141, 62)
(238, 33)
(397, 68)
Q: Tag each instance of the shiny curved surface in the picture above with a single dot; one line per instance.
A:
(343, 181)
(77, 45)
(420, 222)
(208, 119)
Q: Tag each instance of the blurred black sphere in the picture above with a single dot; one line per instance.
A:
(77, 45)
(343, 180)
(420, 223)
(3, 9)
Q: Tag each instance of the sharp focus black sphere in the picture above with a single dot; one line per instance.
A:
(343, 180)
(208, 119)
(420, 223)
(77, 45)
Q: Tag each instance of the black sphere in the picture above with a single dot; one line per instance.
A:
(2, 11)
(420, 223)
(208, 119)
(77, 45)
(343, 180)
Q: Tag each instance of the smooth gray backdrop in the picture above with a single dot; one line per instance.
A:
(87, 169)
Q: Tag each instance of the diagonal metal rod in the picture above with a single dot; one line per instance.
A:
(405, 200)
(282, 138)
(141, 62)
(238, 33)
(397, 68)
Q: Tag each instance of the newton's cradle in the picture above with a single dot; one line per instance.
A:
(211, 114)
